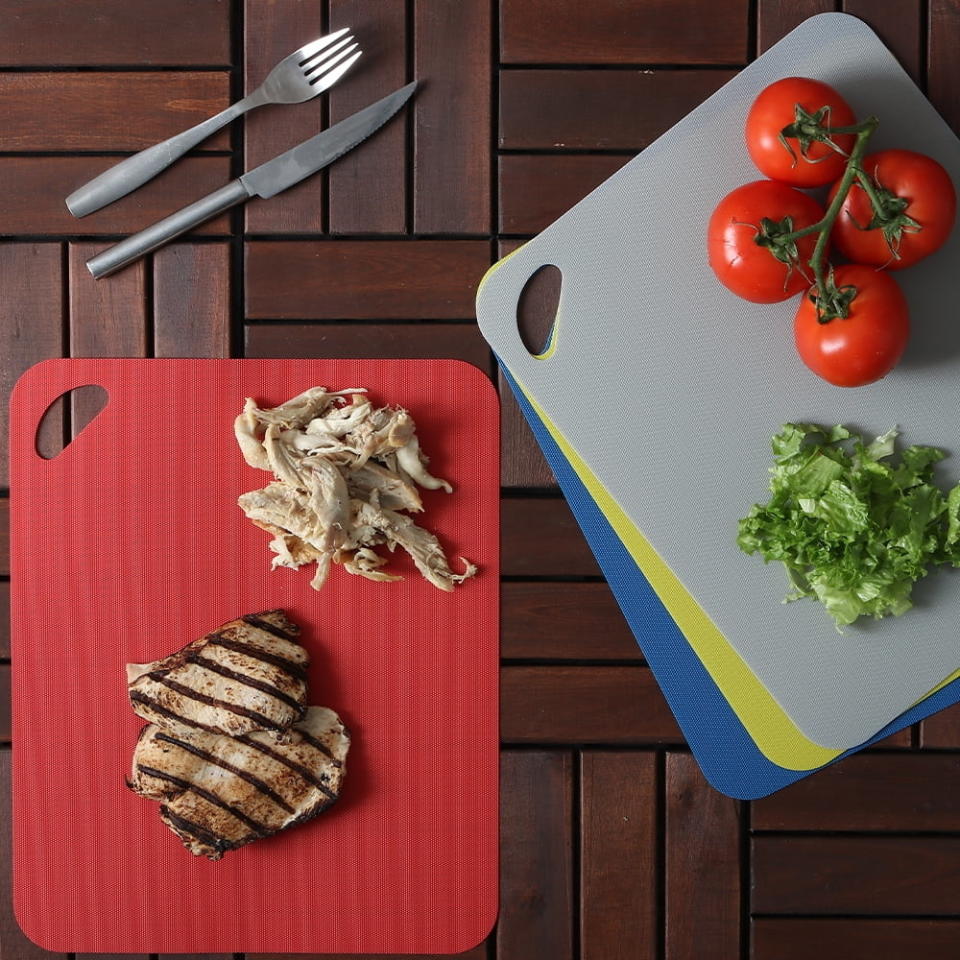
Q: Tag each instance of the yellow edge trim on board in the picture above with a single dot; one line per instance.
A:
(771, 729)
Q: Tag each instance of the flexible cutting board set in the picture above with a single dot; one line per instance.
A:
(128, 545)
(661, 390)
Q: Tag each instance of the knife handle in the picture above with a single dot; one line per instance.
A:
(124, 177)
(134, 247)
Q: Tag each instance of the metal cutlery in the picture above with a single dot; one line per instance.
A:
(265, 181)
(313, 68)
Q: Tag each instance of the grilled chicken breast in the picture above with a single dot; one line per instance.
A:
(247, 676)
(218, 792)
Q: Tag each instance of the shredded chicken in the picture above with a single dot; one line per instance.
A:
(346, 476)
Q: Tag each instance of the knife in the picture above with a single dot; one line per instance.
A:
(265, 181)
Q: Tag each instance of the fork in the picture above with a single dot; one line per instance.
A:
(313, 68)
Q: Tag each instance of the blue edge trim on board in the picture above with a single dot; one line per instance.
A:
(727, 755)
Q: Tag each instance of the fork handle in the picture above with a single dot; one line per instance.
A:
(133, 172)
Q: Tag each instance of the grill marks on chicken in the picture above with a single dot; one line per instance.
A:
(248, 675)
(232, 752)
(344, 472)
(218, 792)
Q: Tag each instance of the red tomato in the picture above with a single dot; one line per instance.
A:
(927, 197)
(747, 267)
(774, 109)
(866, 344)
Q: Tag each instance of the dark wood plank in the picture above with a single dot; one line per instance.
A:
(452, 117)
(108, 111)
(114, 32)
(943, 78)
(618, 856)
(912, 791)
(460, 341)
(119, 956)
(776, 18)
(5, 703)
(108, 318)
(4, 619)
(37, 186)
(31, 327)
(477, 953)
(563, 621)
(191, 300)
(702, 866)
(899, 23)
(4, 537)
(368, 187)
(273, 29)
(541, 538)
(842, 939)
(536, 870)
(598, 109)
(205, 956)
(610, 31)
(365, 279)
(868, 876)
(901, 740)
(15, 945)
(942, 730)
(617, 705)
(522, 463)
(535, 190)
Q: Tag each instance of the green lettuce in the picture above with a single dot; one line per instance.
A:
(854, 528)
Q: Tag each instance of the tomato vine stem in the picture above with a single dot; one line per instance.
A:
(830, 302)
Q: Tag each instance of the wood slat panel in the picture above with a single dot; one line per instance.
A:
(900, 26)
(842, 939)
(869, 876)
(618, 856)
(365, 279)
(564, 621)
(536, 870)
(535, 190)
(902, 740)
(119, 956)
(616, 705)
(598, 109)
(272, 30)
(522, 463)
(610, 31)
(35, 189)
(477, 953)
(114, 32)
(31, 327)
(912, 791)
(15, 945)
(541, 538)
(368, 186)
(108, 318)
(4, 703)
(107, 111)
(4, 536)
(205, 956)
(191, 300)
(452, 117)
(460, 341)
(943, 78)
(4, 619)
(942, 730)
(702, 866)
(776, 18)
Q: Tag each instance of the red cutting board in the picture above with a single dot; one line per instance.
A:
(128, 545)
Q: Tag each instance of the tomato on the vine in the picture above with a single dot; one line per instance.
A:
(805, 106)
(866, 344)
(740, 235)
(918, 206)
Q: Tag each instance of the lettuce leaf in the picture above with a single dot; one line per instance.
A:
(854, 529)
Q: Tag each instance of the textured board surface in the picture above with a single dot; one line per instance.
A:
(130, 544)
(689, 450)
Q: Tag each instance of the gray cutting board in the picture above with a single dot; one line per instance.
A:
(670, 388)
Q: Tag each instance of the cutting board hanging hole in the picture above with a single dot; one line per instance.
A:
(537, 311)
(67, 417)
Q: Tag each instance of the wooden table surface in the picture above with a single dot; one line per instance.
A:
(613, 846)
